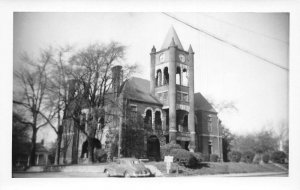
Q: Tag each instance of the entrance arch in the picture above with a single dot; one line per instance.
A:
(153, 148)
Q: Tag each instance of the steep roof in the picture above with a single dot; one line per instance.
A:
(139, 89)
(25, 148)
(171, 35)
(202, 104)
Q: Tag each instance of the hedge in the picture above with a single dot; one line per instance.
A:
(166, 149)
(184, 157)
(248, 156)
(214, 158)
(198, 156)
(234, 156)
(278, 157)
(266, 158)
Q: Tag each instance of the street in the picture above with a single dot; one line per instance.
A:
(100, 174)
(58, 175)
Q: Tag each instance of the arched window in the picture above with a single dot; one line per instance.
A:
(158, 78)
(185, 123)
(184, 77)
(158, 121)
(148, 117)
(166, 76)
(178, 76)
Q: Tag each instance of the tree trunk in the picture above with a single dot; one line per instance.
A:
(90, 150)
(58, 148)
(33, 147)
(92, 125)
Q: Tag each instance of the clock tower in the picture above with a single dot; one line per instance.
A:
(172, 82)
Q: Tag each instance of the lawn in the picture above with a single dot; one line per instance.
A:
(211, 168)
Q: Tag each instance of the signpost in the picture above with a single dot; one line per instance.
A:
(168, 160)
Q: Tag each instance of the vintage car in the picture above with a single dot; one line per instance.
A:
(127, 167)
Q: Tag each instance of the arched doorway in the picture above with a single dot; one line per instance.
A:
(153, 148)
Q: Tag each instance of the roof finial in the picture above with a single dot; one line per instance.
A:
(191, 49)
(153, 50)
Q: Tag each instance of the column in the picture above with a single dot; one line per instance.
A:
(46, 159)
(28, 160)
(163, 121)
(191, 117)
(37, 159)
(153, 120)
(181, 75)
(162, 76)
(172, 92)
(152, 71)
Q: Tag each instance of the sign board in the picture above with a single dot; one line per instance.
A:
(168, 159)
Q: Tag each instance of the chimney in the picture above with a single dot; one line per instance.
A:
(71, 89)
(117, 78)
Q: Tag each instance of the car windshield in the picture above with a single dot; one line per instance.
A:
(135, 162)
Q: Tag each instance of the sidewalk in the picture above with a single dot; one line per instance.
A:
(258, 174)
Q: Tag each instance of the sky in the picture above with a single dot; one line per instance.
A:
(258, 89)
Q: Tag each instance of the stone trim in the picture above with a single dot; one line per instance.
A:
(205, 135)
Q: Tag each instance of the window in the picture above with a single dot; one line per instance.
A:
(160, 96)
(133, 112)
(133, 108)
(178, 76)
(184, 77)
(185, 97)
(165, 96)
(209, 123)
(166, 76)
(178, 96)
(158, 78)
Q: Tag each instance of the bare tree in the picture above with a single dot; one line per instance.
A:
(222, 106)
(91, 69)
(31, 94)
(227, 137)
(58, 92)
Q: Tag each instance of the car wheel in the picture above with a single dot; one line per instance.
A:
(106, 173)
(126, 174)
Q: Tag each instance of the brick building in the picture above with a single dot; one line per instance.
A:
(163, 110)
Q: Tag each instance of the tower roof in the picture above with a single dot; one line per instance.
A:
(168, 40)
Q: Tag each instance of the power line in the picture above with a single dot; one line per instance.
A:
(227, 42)
(246, 29)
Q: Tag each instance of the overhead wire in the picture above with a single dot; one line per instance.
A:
(245, 29)
(226, 42)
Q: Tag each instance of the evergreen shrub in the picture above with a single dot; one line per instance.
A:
(214, 158)
(198, 156)
(166, 149)
(266, 158)
(278, 157)
(248, 156)
(184, 157)
(234, 156)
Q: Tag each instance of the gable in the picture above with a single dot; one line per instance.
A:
(202, 104)
(139, 89)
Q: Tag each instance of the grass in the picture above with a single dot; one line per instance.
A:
(211, 168)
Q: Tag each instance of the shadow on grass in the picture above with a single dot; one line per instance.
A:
(201, 165)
